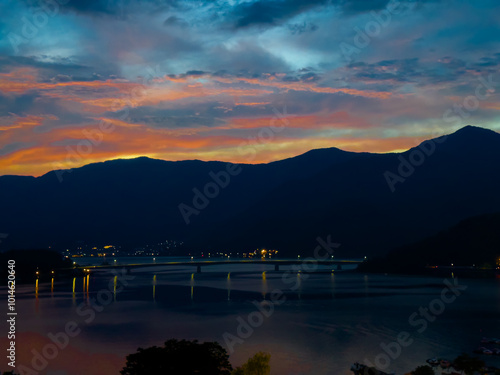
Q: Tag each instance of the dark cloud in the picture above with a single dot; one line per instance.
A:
(195, 73)
(206, 114)
(96, 6)
(17, 104)
(275, 12)
(453, 74)
(489, 61)
(271, 12)
(87, 6)
(57, 64)
(56, 69)
(175, 21)
(402, 71)
(116, 8)
(12, 147)
(362, 6)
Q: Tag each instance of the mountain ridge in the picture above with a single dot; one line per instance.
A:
(285, 204)
(468, 129)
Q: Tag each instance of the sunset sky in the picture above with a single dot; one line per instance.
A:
(238, 80)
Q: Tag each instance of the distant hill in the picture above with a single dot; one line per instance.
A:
(472, 242)
(284, 205)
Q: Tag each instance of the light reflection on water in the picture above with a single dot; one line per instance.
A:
(328, 321)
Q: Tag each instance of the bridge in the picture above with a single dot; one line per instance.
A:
(307, 263)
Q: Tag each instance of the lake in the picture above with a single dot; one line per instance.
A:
(311, 323)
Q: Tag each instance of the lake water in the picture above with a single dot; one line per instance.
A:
(320, 324)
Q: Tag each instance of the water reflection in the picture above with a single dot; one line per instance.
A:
(37, 302)
(88, 281)
(299, 284)
(332, 282)
(350, 321)
(192, 286)
(154, 287)
(264, 285)
(114, 287)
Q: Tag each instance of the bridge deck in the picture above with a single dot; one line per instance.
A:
(281, 262)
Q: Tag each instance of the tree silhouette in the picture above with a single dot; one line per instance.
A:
(468, 364)
(423, 370)
(179, 358)
(257, 365)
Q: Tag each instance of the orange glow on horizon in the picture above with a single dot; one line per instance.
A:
(37, 161)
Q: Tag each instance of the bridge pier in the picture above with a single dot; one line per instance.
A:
(198, 269)
(276, 267)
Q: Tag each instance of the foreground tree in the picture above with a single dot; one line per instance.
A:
(257, 365)
(468, 364)
(423, 370)
(179, 358)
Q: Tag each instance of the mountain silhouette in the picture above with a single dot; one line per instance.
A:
(474, 242)
(369, 203)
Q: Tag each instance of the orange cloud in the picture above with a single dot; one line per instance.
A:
(18, 122)
(335, 120)
(131, 140)
(114, 95)
(251, 104)
(21, 80)
(306, 86)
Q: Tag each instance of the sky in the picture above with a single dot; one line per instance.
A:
(243, 81)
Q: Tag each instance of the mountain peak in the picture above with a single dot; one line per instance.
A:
(470, 137)
(474, 131)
